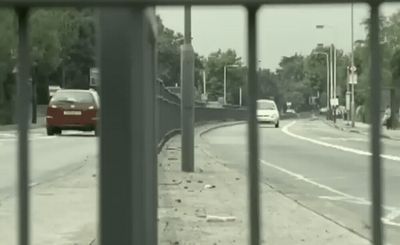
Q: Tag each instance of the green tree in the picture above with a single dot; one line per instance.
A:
(268, 83)
(292, 81)
(46, 49)
(7, 62)
(78, 52)
(235, 75)
(169, 57)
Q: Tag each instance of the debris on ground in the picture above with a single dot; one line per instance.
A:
(214, 218)
(209, 186)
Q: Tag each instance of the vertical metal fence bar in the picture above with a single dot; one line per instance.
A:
(128, 178)
(150, 143)
(254, 194)
(376, 80)
(116, 132)
(23, 102)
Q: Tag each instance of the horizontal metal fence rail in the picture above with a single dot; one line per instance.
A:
(128, 185)
(135, 3)
(169, 113)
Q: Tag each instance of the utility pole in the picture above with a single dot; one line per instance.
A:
(204, 83)
(352, 70)
(332, 106)
(327, 82)
(34, 101)
(224, 85)
(334, 84)
(187, 95)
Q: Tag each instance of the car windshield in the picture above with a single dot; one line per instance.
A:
(73, 97)
(266, 105)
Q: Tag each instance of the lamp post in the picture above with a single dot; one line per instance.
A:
(204, 83)
(225, 69)
(187, 95)
(240, 96)
(352, 70)
(332, 52)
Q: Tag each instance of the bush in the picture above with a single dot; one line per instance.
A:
(6, 114)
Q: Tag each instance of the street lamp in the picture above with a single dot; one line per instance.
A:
(332, 52)
(352, 70)
(240, 96)
(225, 69)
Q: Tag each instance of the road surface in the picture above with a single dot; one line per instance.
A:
(320, 167)
(63, 187)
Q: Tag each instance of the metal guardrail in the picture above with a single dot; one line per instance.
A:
(170, 113)
(128, 176)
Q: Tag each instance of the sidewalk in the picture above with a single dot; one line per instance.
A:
(364, 128)
(210, 206)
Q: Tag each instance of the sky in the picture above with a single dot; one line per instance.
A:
(282, 30)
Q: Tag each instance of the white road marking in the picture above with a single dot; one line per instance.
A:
(309, 181)
(343, 139)
(349, 200)
(394, 212)
(337, 147)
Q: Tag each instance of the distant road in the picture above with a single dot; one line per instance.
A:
(324, 169)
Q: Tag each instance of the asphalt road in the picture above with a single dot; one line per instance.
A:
(50, 156)
(320, 167)
(63, 187)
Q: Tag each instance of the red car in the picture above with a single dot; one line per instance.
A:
(71, 109)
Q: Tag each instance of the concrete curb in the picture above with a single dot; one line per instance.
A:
(356, 131)
(166, 138)
(221, 125)
(177, 131)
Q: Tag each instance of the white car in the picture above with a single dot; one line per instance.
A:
(267, 112)
(292, 111)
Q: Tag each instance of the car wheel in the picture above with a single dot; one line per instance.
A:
(50, 131)
(277, 125)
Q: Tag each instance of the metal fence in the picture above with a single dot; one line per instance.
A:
(169, 113)
(128, 176)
